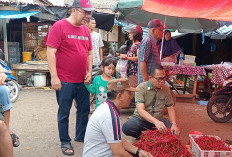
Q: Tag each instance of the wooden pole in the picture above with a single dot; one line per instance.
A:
(194, 44)
(5, 39)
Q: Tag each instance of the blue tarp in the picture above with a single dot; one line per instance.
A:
(14, 14)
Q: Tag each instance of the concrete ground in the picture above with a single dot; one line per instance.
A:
(34, 120)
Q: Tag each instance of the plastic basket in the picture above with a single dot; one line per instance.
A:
(205, 153)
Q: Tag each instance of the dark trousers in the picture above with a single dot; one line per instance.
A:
(65, 96)
(134, 126)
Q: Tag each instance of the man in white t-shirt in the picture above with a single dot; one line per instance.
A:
(96, 42)
(103, 133)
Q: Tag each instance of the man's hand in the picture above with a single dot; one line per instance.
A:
(56, 84)
(3, 78)
(161, 126)
(143, 153)
(88, 77)
(175, 130)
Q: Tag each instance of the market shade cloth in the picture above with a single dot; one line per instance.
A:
(132, 12)
(220, 10)
(13, 14)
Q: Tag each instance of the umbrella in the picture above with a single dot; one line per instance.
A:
(142, 11)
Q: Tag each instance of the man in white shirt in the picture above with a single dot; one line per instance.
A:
(103, 133)
(96, 42)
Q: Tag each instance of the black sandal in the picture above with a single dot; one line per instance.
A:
(15, 139)
(65, 147)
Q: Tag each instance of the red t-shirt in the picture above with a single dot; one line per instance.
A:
(72, 44)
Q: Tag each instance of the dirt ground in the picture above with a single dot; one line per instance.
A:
(34, 120)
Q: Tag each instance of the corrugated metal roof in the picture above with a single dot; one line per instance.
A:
(104, 3)
(34, 2)
(98, 4)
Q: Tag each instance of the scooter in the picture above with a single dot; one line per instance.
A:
(219, 107)
(11, 82)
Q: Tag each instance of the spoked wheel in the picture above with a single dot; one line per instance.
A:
(216, 108)
(13, 90)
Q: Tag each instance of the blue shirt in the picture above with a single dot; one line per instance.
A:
(149, 53)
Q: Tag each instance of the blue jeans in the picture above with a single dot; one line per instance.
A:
(5, 98)
(65, 96)
(134, 126)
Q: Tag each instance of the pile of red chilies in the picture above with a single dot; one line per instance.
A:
(162, 144)
(211, 143)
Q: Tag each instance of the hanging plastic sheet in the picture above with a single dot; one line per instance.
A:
(14, 14)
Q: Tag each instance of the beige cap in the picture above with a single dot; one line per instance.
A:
(120, 84)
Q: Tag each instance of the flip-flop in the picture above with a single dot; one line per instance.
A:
(15, 139)
(65, 147)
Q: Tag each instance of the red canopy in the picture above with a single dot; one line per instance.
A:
(220, 10)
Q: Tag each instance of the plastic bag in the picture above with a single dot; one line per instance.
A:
(121, 69)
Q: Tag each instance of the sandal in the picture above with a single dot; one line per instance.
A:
(66, 147)
(15, 140)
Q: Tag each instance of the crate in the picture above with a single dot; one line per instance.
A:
(205, 153)
(189, 58)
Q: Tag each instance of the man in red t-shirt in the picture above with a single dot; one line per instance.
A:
(69, 53)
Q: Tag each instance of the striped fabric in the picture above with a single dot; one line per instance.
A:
(115, 115)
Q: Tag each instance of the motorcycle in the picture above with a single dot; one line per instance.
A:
(11, 82)
(219, 107)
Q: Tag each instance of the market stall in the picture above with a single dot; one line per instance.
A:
(37, 69)
(188, 71)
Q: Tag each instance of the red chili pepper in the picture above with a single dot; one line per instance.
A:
(162, 144)
(211, 143)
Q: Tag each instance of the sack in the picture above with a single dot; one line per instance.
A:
(121, 69)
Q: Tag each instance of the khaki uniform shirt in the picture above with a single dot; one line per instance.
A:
(154, 99)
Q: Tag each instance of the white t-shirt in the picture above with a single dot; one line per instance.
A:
(103, 128)
(97, 43)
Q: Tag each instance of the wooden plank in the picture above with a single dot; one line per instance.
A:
(185, 83)
(194, 89)
(185, 95)
(28, 67)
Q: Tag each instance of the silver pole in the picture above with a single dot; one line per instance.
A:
(162, 44)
